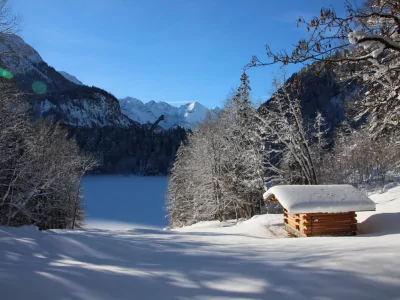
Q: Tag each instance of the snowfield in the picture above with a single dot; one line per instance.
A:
(211, 260)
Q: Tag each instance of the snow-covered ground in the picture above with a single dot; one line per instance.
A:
(210, 260)
(264, 226)
(386, 218)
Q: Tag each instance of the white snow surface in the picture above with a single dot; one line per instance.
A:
(188, 115)
(299, 199)
(205, 261)
(386, 219)
(266, 226)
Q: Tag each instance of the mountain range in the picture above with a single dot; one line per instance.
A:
(111, 128)
(60, 96)
(187, 116)
(53, 96)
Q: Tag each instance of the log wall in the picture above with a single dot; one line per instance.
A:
(321, 224)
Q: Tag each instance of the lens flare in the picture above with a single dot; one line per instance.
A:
(6, 74)
(39, 87)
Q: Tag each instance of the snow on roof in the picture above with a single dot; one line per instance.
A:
(299, 199)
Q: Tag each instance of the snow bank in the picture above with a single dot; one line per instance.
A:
(266, 226)
(386, 219)
(389, 186)
(320, 198)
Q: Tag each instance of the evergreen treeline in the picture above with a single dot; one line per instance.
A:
(130, 150)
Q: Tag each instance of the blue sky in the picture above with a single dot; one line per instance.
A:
(164, 50)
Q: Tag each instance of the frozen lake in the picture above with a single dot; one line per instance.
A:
(116, 199)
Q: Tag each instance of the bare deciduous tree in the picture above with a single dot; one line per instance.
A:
(40, 168)
(9, 24)
(219, 172)
(364, 46)
(290, 155)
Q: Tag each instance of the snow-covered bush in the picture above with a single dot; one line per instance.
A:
(360, 160)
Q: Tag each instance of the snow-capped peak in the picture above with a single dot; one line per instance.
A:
(192, 106)
(188, 115)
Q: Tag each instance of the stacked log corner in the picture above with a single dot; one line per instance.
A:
(321, 224)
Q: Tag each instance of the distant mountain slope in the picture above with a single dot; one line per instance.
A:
(70, 77)
(31, 73)
(325, 93)
(64, 98)
(187, 116)
(82, 107)
(92, 115)
(54, 96)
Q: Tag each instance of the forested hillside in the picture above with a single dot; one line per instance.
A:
(92, 115)
(54, 131)
(130, 150)
(336, 121)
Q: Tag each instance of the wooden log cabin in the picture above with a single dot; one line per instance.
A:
(320, 210)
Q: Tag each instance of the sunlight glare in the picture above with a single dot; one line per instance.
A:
(39, 87)
(6, 74)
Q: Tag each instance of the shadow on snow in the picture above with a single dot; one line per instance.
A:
(150, 264)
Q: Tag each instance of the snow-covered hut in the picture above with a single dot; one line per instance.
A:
(316, 210)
